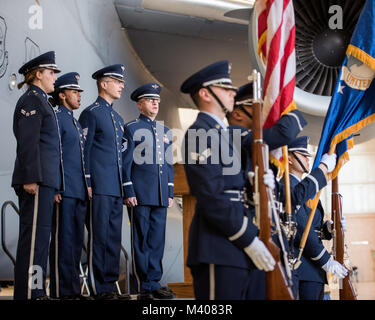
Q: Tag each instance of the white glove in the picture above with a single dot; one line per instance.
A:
(337, 269)
(260, 255)
(330, 226)
(343, 224)
(269, 179)
(329, 160)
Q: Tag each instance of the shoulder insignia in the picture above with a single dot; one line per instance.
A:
(94, 106)
(28, 114)
(131, 122)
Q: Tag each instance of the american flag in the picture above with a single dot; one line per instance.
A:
(276, 48)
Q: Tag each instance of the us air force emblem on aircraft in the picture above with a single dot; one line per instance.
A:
(356, 74)
(3, 52)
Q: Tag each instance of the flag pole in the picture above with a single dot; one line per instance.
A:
(307, 229)
(288, 202)
(311, 217)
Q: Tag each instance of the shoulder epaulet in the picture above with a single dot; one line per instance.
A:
(131, 122)
(31, 98)
(94, 106)
(32, 93)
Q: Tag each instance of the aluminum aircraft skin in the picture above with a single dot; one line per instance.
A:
(86, 36)
(162, 41)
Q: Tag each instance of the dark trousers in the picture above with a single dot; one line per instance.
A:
(215, 282)
(104, 242)
(311, 290)
(148, 240)
(66, 247)
(34, 237)
(257, 285)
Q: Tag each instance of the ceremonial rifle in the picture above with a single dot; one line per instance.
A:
(276, 284)
(346, 288)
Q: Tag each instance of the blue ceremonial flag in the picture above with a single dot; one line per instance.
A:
(353, 103)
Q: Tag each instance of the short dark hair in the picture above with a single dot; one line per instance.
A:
(195, 97)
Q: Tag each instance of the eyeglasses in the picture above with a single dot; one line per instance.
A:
(152, 100)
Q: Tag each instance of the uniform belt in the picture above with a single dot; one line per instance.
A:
(235, 195)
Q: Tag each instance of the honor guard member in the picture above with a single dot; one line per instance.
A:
(315, 259)
(148, 186)
(104, 129)
(37, 174)
(223, 242)
(284, 131)
(71, 203)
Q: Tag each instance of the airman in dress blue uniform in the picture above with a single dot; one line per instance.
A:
(311, 274)
(37, 175)
(223, 242)
(148, 186)
(103, 128)
(71, 203)
(284, 131)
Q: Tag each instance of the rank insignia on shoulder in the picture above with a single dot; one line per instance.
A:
(28, 114)
(201, 156)
(217, 126)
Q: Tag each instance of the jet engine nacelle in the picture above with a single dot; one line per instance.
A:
(323, 31)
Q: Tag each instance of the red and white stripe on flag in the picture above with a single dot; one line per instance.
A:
(276, 48)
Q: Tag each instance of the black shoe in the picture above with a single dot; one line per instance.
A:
(163, 293)
(71, 297)
(44, 298)
(105, 296)
(145, 295)
(121, 296)
(81, 297)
